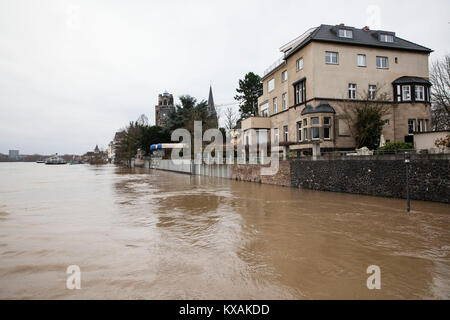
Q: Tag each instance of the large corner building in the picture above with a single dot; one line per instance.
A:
(329, 67)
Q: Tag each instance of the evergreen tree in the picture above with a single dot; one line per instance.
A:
(248, 92)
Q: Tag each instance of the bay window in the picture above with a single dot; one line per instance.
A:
(327, 128)
(406, 93)
(315, 131)
(299, 131)
(420, 93)
(284, 97)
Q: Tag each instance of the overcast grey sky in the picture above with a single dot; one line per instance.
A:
(74, 72)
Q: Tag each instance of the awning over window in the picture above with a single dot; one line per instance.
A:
(412, 80)
(323, 107)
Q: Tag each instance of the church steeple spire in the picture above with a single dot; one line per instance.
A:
(210, 99)
(211, 107)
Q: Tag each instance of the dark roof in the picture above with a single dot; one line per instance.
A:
(323, 107)
(329, 33)
(407, 80)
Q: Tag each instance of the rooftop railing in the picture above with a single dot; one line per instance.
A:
(273, 66)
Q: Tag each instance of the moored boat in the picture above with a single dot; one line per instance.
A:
(55, 160)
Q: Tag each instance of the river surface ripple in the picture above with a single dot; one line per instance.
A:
(140, 234)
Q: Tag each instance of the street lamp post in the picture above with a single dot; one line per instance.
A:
(408, 201)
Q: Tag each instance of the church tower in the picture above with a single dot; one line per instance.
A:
(212, 108)
(165, 104)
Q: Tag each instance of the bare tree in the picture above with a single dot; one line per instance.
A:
(142, 120)
(364, 116)
(440, 79)
(231, 117)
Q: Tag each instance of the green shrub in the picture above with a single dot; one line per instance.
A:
(394, 146)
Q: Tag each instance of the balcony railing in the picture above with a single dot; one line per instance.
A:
(273, 66)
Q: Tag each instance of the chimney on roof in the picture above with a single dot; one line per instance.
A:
(342, 25)
(366, 28)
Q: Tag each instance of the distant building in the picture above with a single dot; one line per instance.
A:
(165, 104)
(13, 154)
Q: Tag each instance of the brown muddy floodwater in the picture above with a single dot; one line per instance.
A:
(140, 234)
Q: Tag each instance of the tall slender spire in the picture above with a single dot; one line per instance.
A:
(210, 99)
(211, 108)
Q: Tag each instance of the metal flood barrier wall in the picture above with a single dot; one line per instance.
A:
(188, 167)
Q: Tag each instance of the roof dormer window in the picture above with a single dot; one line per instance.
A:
(386, 38)
(344, 33)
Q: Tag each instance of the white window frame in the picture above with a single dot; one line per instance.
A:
(276, 138)
(420, 125)
(265, 110)
(314, 127)
(327, 126)
(361, 63)
(271, 85)
(387, 38)
(275, 105)
(300, 92)
(382, 65)
(345, 33)
(299, 131)
(284, 98)
(352, 87)
(329, 57)
(286, 133)
(284, 76)
(414, 125)
(372, 91)
(300, 64)
(417, 90)
(406, 94)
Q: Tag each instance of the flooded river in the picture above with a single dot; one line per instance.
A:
(138, 234)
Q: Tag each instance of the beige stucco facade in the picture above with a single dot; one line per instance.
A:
(427, 141)
(329, 83)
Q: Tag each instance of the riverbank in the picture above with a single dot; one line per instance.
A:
(380, 176)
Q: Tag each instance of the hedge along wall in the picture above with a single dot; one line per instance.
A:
(383, 176)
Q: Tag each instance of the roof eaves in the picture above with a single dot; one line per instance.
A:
(422, 49)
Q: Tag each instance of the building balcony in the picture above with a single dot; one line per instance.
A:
(256, 123)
